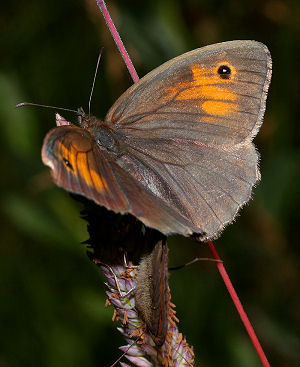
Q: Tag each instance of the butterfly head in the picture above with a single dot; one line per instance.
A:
(86, 121)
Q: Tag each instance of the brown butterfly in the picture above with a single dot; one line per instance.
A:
(175, 150)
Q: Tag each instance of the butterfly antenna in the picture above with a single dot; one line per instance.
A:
(95, 75)
(45, 106)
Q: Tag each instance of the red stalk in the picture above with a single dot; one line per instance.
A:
(238, 305)
(117, 40)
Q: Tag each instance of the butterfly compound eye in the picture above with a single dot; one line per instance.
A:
(224, 71)
(67, 164)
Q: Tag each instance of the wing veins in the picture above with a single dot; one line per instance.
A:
(152, 168)
(226, 179)
(252, 71)
(158, 128)
(180, 165)
(220, 187)
(177, 184)
(146, 115)
(79, 176)
(205, 201)
(88, 169)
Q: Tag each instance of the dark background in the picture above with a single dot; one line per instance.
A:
(52, 298)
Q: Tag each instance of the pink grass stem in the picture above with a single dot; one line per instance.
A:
(238, 305)
(211, 246)
(117, 39)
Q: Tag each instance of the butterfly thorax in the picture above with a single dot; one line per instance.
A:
(102, 133)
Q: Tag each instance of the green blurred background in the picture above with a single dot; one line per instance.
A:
(52, 297)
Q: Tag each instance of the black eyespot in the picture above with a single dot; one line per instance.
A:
(224, 71)
(67, 163)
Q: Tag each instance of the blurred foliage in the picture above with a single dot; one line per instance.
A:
(52, 298)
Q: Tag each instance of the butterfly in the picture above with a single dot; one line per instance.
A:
(175, 150)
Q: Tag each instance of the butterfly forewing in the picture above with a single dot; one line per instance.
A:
(187, 97)
(79, 165)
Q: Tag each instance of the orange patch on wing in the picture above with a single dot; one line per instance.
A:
(99, 182)
(205, 92)
(218, 108)
(205, 85)
(79, 162)
(65, 153)
(205, 76)
(90, 176)
(82, 168)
